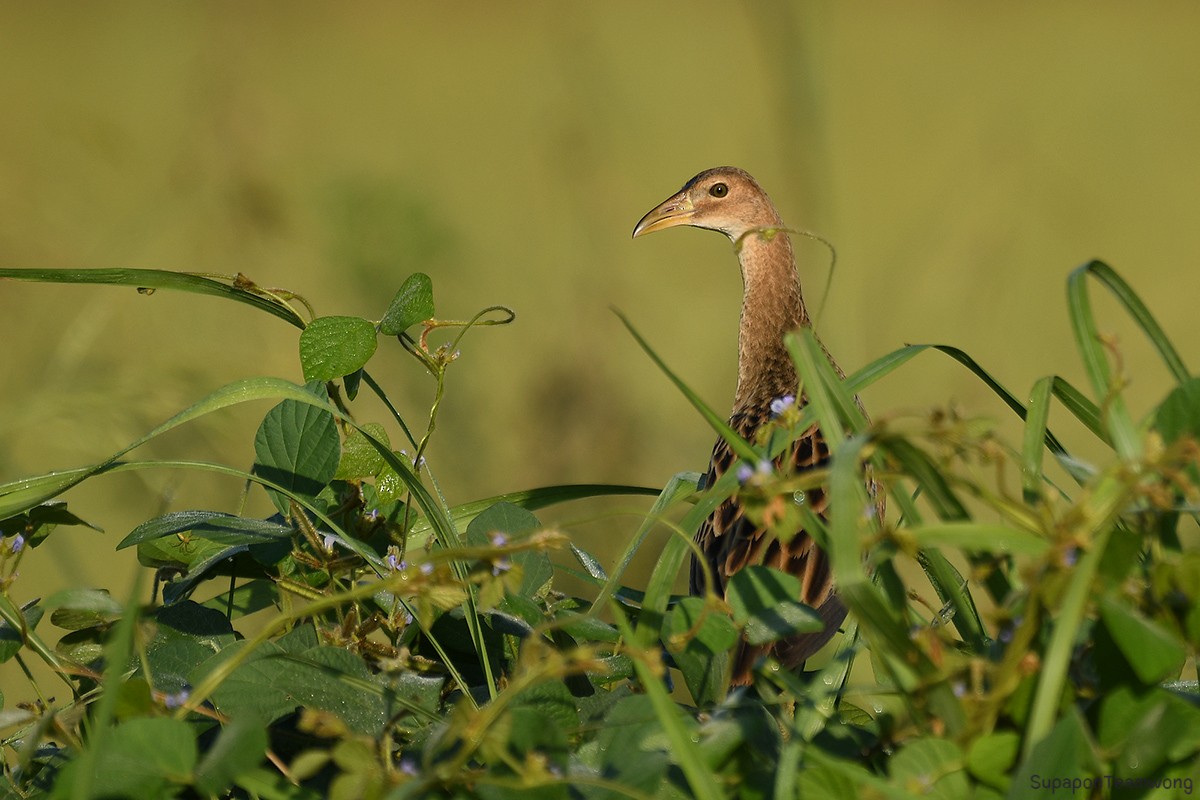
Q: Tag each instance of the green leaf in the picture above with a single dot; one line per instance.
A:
(212, 525)
(992, 757)
(515, 523)
(628, 750)
(1153, 652)
(933, 765)
(77, 609)
(272, 682)
(331, 347)
(412, 304)
(185, 635)
(1067, 752)
(359, 458)
(12, 639)
(1143, 730)
(297, 447)
(146, 758)
(763, 599)
(1179, 414)
(239, 748)
(703, 656)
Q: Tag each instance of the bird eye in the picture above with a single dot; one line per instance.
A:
(718, 190)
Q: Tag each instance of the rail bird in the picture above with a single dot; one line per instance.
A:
(728, 200)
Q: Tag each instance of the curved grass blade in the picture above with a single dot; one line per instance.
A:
(740, 446)
(1117, 420)
(680, 486)
(1141, 315)
(157, 279)
(1035, 434)
(532, 500)
(24, 494)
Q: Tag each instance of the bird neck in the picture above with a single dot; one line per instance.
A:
(772, 305)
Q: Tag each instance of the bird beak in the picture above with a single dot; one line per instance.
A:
(677, 210)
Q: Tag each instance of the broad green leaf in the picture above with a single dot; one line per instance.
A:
(239, 747)
(297, 447)
(1154, 652)
(77, 609)
(1068, 751)
(1179, 414)
(185, 635)
(626, 748)
(934, 767)
(147, 758)
(331, 347)
(513, 524)
(992, 757)
(763, 599)
(359, 458)
(700, 639)
(272, 682)
(413, 303)
(552, 701)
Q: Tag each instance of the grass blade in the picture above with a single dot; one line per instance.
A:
(157, 279)
(1117, 421)
(739, 445)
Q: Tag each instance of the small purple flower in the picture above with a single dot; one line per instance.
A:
(420, 462)
(408, 618)
(394, 563)
(427, 568)
(1071, 556)
(744, 473)
(959, 688)
(17, 543)
(329, 541)
(372, 515)
(177, 699)
(499, 539)
(782, 404)
(501, 565)
(408, 766)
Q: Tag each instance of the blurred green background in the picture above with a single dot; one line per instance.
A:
(961, 157)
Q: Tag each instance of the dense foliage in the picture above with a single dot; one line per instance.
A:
(1011, 634)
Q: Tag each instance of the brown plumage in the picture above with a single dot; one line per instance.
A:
(728, 200)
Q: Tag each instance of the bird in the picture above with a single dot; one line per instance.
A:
(730, 201)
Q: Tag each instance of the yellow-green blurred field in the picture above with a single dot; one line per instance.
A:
(961, 157)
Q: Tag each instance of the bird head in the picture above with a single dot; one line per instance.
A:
(724, 199)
